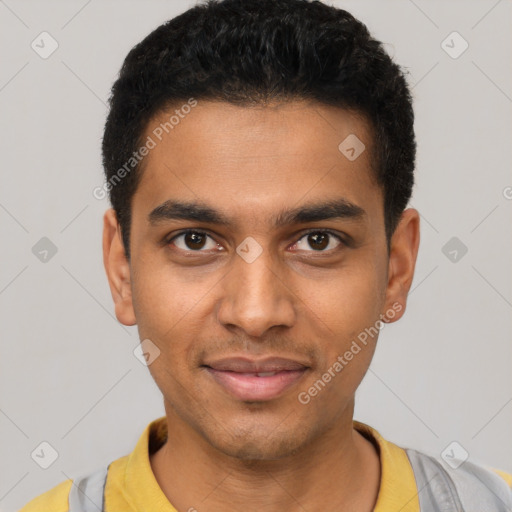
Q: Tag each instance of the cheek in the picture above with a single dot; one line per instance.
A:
(175, 309)
(345, 311)
(163, 300)
(348, 302)
(168, 311)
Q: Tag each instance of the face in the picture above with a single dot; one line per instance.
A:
(258, 262)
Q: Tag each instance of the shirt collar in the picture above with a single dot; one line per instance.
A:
(397, 491)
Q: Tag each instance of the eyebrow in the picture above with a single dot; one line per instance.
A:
(196, 211)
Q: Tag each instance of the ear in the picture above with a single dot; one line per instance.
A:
(117, 269)
(402, 261)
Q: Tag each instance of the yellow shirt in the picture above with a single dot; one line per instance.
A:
(131, 485)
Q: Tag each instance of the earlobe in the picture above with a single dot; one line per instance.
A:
(402, 261)
(117, 269)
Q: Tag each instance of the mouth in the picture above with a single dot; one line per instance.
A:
(256, 380)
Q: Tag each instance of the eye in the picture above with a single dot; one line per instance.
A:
(319, 241)
(194, 241)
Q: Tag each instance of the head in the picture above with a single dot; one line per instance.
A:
(259, 156)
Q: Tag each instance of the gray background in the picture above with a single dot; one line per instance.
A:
(68, 375)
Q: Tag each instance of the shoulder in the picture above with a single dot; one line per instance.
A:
(446, 482)
(460, 482)
(56, 499)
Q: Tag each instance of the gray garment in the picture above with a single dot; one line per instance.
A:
(469, 488)
(87, 492)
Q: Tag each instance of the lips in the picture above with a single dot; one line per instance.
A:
(244, 365)
(256, 380)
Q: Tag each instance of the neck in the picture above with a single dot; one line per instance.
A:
(341, 469)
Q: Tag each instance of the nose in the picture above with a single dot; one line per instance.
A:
(256, 296)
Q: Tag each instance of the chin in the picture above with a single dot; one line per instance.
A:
(254, 451)
(262, 443)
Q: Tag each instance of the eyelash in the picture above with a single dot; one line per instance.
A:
(304, 234)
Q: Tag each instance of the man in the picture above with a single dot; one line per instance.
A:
(259, 157)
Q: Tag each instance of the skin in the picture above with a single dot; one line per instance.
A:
(295, 300)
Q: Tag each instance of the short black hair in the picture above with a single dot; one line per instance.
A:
(248, 52)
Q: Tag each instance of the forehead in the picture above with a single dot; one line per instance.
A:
(253, 161)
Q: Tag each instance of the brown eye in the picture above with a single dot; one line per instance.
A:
(318, 241)
(193, 241)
